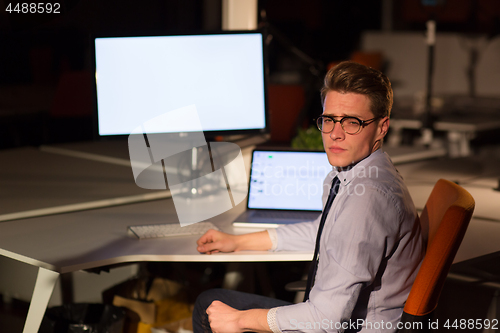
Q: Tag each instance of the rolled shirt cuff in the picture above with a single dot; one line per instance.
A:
(274, 238)
(271, 320)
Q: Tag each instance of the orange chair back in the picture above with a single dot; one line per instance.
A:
(446, 216)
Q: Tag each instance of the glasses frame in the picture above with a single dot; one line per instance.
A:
(362, 123)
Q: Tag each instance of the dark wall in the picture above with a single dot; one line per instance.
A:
(37, 49)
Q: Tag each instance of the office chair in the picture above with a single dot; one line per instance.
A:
(446, 214)
(444, 219)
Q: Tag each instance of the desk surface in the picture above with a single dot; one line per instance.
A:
(95, 238)
(31, 179)
(478, 175)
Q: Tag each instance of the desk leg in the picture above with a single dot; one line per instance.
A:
(459, 143)
(44, 285)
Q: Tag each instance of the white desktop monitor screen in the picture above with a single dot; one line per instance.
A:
(140, 78)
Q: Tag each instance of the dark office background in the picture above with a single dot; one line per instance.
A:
(37, 50)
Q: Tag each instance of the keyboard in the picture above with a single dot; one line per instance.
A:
(170, 230)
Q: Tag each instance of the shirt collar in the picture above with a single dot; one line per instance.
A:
(347, 175)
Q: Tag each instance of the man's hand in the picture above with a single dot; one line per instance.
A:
(225, 319)
(214, 241)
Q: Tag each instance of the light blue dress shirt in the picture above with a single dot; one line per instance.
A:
(370, 251)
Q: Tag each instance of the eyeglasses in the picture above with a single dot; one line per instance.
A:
(350, 125)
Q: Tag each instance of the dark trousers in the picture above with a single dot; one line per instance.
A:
(235, 299)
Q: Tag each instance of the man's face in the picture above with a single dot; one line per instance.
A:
(344, 149)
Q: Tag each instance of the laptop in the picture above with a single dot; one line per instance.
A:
(285, 187)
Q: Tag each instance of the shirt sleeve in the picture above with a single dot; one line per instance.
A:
(360, 231)
(298, 236)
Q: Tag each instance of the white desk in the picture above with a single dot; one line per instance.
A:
(478, 175)
(41, 183)
(83, 240)
(34, 183)
(461, 129)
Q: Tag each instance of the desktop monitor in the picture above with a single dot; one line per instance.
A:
(220, 75)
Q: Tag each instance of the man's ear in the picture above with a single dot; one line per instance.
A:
(383, 127)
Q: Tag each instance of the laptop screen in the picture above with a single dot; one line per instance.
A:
(291, 180)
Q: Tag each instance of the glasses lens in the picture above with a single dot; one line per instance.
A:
(351, 125)
(325, 124)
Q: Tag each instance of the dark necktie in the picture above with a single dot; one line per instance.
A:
(314, 264)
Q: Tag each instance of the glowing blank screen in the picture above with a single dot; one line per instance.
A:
(139, 78)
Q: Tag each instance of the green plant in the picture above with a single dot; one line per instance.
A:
(309, 138)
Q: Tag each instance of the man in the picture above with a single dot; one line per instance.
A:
(369, 242)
